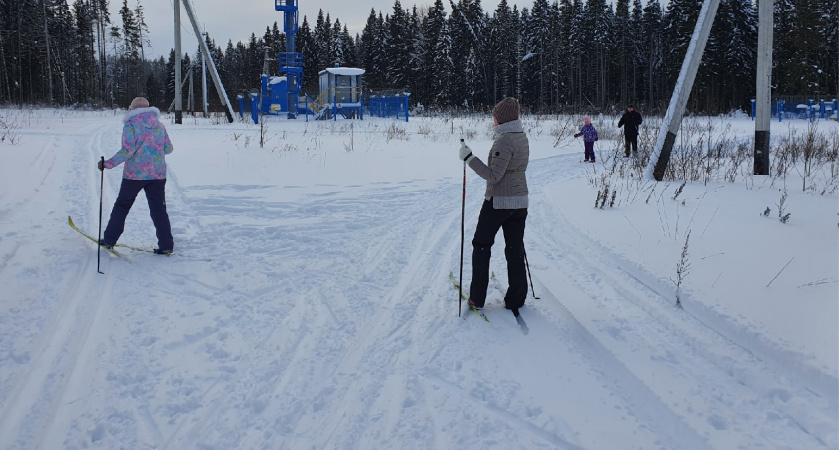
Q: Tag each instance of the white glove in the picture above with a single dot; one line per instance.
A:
(465, 153)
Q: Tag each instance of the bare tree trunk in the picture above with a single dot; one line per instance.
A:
(5, 71)
(20, 56)
(103, 57)
(49, 57)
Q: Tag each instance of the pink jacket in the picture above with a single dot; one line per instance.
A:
(145, 144)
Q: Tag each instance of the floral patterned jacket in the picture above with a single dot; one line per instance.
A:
(145, 144)
(589, 133)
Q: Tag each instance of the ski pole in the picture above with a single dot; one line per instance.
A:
(99, 241)
(527, 266)
(463, 204)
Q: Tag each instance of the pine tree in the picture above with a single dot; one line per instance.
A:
(538, 37)
(142, 29)
(829, 59)
(637, 38)
(372, 56)
(808, 63)
(81, 83)
(598, 19)
(653, 53)
(467, 25)
(572, 17)
(304, 41)
(444, 67)
(347, 48)
(437, 61)
(321, 41)
(417, 57)
(397, 48)
(102, 20)
(731, 57)
(130, 32)
(624, 51)
(503, 50)
(64, 53)
(679, 23)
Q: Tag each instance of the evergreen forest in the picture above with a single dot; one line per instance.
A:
(555, 56)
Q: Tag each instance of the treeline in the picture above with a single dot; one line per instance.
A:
(555, 56)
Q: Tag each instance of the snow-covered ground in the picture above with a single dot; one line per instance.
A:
(309, 305)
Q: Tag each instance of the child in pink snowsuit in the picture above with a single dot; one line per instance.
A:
(590, 135)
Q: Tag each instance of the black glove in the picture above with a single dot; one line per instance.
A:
(100, 164)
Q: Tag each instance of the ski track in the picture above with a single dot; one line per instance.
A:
(632, 320)
(208, 351)
(51, 377)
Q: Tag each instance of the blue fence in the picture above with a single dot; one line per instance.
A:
(395, 106)
(805, 110)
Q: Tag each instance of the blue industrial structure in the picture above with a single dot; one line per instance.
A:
(341, 94)
(290, 62)
(340, 87)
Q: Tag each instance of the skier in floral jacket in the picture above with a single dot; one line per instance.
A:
(590, 135)
(145, 144)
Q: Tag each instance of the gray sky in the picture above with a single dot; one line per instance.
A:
(236, 19)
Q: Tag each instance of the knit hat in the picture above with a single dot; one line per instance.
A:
(139, 102)
(587, 120)
(506, 110)
(630, 107)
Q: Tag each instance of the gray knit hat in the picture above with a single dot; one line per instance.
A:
(139, 102)
(506, 110)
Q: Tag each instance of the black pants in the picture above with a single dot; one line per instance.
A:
(512, 223)
(631, 140)
(155, 195)
(589, 151)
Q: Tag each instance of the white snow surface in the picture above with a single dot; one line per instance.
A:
(308, 304)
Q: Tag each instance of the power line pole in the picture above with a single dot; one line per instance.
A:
(763, 75)
(204, 81)
(214, 73)
(191, 96)
(178, 105)
(685, 81)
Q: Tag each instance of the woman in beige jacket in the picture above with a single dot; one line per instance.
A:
(505, 205)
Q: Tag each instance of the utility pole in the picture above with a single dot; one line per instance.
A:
(178, 105)
(763, 75)
(685, 81)
(214, 73)
(191, 96)
(204, 81)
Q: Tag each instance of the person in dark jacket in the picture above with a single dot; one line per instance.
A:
(505, 205)
(631, 121)
(145, 145)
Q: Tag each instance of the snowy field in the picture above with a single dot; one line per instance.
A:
(308, 304)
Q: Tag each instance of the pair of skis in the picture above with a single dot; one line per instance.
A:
(110, 250)
(519, 320)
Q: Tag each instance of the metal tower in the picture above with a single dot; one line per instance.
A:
(291, 62)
